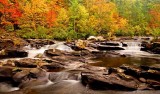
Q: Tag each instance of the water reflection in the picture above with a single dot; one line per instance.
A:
(118, 61)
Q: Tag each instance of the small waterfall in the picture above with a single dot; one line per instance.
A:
(4, 87)
(61, 46)
(32, 52)
(133, 48)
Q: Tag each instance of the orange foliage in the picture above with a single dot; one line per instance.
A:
(155, 14)
(11, 10)
(4, 2)
(51, 17)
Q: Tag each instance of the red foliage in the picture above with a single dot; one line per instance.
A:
(51, 17)
(4, 2)
(12, 10)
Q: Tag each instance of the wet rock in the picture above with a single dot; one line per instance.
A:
(103, 47)
(38, 43)
(13, 53)
(152, 67)
(153, 47)
(146, 46)
(110, 43)
(107, 82)
(156, 50)
(131, 70)
(54, 52)
(89, 68)
(28, 63)
(30, 77)
(53, 67)
(124, 44)
(6, 73)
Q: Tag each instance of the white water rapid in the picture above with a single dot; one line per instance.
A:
(133, 48)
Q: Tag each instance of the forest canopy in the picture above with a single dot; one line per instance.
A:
(73, 19)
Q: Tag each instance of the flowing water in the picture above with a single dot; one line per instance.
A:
(65, 82)
(134, 56)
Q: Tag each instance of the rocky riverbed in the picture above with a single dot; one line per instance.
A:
(41, 66)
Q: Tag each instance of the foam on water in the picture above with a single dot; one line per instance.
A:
(32, 52)
(61, 46)
(7, 88)
(134, 49)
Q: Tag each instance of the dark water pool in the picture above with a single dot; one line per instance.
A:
(118, 61)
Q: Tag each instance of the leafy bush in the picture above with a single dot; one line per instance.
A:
(155, 32)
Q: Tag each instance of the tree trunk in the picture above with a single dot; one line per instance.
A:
(16, 27)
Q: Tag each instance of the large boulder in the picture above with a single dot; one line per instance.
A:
(152, 47)
(28, 63)
(13, 53)
(156, 50)
(31, 77)
(6, 73)
(108, 82)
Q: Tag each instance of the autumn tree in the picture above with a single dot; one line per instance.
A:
(10, 13)
(34, 13)
(104, 17)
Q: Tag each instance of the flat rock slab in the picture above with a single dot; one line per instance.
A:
(125, 77)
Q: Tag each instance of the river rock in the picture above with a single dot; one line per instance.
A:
(54, 52)
(107, 82)
(31, 77)
(53, 67)
(110, 43)
(28, 63)
(153, 47)
(104, 47)
(131, 70)
(89, 68)
(6, 73)
(13, 53)
(156, 50)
